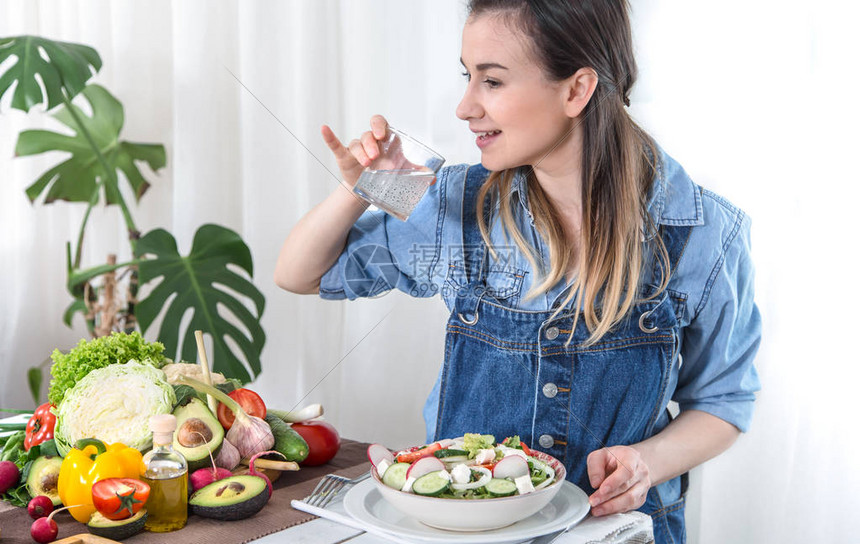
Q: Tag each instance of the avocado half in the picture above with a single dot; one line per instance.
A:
(198, 432)
(236, 497)
(117, 529)
(43, 476)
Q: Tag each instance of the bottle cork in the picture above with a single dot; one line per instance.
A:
(162, 426)
(162, 423)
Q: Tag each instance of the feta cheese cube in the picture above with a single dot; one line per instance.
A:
(485, 456)
(382, 467)
(461, 474)
(514, 451)
(524, 484)
(407, 487)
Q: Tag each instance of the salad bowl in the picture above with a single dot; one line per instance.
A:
(473, 514)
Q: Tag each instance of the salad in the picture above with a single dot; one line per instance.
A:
(473, 466)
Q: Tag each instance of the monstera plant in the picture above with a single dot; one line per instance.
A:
(97, 165)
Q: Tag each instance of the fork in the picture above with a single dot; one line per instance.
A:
(330, 485)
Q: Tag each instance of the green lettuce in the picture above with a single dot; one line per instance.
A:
(87, 356)
(473, 442)
(114, 404)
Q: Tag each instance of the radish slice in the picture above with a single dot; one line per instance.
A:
(423, 466)
(378, 452)
(446, 443)
(512, 466)
(485, 478)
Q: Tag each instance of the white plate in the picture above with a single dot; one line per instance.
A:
(364, 503)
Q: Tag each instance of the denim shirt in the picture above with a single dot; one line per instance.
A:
(720, 325)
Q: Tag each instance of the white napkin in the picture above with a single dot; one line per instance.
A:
(335, 512)
(628, 528)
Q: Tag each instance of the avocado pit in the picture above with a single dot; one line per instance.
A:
(193, 432)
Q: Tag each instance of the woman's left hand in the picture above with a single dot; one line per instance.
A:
(621, 478)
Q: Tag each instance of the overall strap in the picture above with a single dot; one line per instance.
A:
(474, 249)
(675, 240)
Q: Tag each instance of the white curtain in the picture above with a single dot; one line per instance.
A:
(755, 98)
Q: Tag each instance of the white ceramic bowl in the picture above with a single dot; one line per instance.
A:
(478, 514)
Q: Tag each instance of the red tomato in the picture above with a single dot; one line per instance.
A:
(323, 441)
(40, 427)
(418, 453)
(119, 498)
(251, 402)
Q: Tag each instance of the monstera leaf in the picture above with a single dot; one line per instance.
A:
(203, 283)
(60, 65)
(79, 178)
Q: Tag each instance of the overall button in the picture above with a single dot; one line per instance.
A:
(550, 390)
(551, 333)
(546, 441)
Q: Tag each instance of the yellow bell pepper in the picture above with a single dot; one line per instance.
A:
(90, 461)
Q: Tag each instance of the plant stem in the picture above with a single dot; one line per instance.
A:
(84, 275)
(86, 218)
(110, 172)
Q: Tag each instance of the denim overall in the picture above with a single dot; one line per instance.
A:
(508, 372)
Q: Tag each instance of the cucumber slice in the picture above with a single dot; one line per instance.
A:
(450, 453)
(497, 487)
(395, 475)
(432, 484)
(456, 459)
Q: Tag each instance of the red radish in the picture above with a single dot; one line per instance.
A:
(423, 466)
(40, 506)
(253, 471)
(512, 466)
(45, 530)
(8, 476)
(202, 477)
(377, 452)
(447, 443)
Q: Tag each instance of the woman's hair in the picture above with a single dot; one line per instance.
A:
(618, 161)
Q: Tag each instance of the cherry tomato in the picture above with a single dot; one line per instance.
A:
(119, 498)
(251, 402)
(40, 427)
(323, 441)
(418, 453)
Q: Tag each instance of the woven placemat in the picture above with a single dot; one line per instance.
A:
(350, 461)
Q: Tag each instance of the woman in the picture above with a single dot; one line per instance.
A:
(573, 207)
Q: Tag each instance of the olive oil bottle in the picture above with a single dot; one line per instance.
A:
(167, 476)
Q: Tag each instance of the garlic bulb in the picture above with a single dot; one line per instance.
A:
(228, 457)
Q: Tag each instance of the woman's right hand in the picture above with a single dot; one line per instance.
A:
(361, 152)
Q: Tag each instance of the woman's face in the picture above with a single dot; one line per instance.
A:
(509, 96)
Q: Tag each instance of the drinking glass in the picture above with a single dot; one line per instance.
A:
(397, 179)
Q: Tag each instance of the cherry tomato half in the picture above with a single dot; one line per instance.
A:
(119, 498)
(323, 441)
(251, 402)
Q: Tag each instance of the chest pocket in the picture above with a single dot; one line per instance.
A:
(504, 284)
